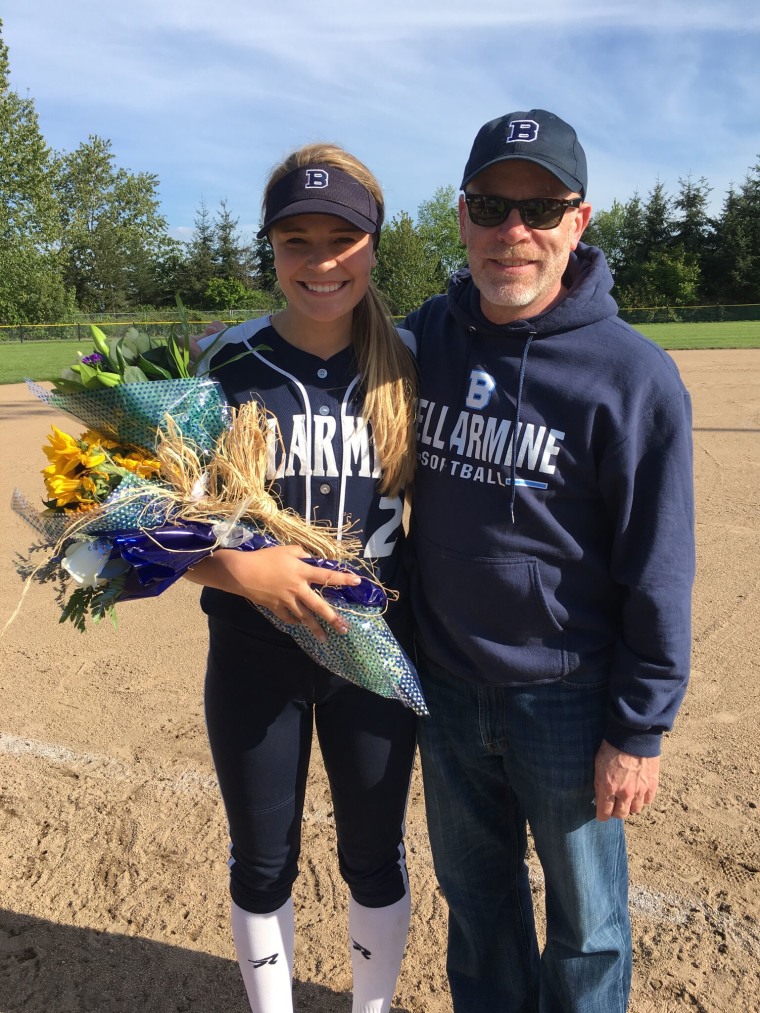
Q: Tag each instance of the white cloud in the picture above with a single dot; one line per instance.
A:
(209, 96)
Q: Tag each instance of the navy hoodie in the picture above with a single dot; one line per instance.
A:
(568, 552)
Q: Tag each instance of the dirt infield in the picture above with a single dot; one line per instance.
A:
(113, 839)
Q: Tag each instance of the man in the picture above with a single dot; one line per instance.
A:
(553, 566)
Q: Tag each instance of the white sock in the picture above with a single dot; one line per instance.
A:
(264, 946)
(378, 938)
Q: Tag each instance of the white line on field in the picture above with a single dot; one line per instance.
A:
(13, 745)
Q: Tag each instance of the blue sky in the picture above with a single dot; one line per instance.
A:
(210, 94)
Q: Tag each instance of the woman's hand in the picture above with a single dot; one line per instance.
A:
(278, 579)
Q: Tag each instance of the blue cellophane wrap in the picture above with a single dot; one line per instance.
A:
(133, 412)
(368, 654)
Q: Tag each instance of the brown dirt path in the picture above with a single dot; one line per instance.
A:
(112, 836)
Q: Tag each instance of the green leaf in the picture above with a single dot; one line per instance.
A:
(179, 357)
(208, 351)
(70, 381)
(180, 350)
(133, 374)
(77, 607)
(88, 373)
(118, 354)
(153, 370)
(142, 341)
(159, 354)
(242, 355)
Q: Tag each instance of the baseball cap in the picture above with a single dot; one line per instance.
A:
(534, 136)
(321, 190)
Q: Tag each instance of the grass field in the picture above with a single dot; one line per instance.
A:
(44, 360)
(730, 334)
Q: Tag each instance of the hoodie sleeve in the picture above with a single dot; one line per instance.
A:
(647, 483)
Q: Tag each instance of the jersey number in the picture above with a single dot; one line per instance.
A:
(383, 541)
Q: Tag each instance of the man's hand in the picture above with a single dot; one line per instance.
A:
(623, 783)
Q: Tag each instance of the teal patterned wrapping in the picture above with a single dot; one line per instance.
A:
(51, 525)
(368, 655)
(133, 412)
(136, 503)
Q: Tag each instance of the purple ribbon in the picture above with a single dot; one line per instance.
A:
(161, 556)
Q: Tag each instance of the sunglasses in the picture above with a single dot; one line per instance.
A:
(535, 212)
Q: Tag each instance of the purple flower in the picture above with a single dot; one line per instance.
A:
(94, 359)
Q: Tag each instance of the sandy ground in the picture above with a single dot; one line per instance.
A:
(112, 834)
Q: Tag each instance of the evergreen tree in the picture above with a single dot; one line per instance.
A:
(733, 263)
(654, 272)
(692, 224)
(264, 276)
(160, 276)
(200, 268)
(620, 233)
(658, 223)
(634, 231)
(230, 255)
(693, 228)
(405, 273)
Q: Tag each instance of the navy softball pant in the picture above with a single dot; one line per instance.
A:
(263, 697)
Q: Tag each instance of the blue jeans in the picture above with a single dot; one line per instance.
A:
(496, 759)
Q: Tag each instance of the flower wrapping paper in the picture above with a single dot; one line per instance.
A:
(134, 412)
(147, 533)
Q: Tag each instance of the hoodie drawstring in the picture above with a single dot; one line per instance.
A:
(516, 426)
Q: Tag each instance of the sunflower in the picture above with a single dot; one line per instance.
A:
(63, 453)
(92, 437)
(139, 464)
(63, 489)
(66, 454)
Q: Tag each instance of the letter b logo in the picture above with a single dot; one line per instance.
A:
(522, 130)
(316, 179)
(481, 387)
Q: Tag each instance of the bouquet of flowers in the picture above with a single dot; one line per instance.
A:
(166, 473)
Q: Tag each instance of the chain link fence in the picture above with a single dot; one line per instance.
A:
(115, 324)
(690, 314)
(158, 323)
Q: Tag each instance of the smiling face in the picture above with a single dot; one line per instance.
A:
(517, 270)
(323, 265)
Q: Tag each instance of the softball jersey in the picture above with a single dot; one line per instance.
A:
(263, 694)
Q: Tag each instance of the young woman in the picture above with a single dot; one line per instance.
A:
(337, 377)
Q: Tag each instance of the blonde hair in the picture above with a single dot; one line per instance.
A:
(387, 367)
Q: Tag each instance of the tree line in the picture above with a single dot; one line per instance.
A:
(79, 234)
